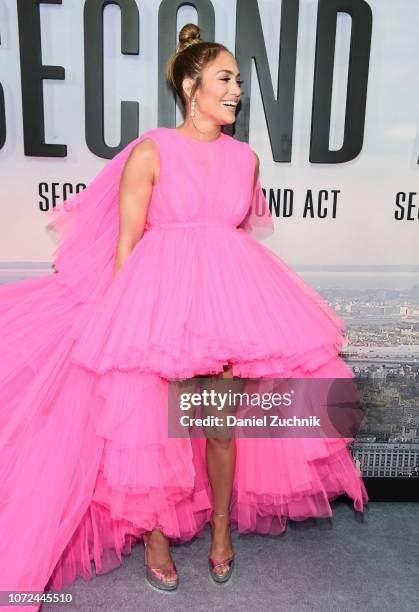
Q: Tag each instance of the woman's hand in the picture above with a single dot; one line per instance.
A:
(140, 173)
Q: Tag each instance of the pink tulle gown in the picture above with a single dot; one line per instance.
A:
(86, 462)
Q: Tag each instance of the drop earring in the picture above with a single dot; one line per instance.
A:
(192, 113)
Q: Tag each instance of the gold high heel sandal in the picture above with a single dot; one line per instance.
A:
(165, 579)
(221, 571)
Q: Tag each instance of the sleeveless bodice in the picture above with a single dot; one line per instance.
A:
(201, 183)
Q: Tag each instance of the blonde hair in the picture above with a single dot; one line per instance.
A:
(191, 57)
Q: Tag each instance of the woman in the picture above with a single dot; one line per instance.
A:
(159, 277)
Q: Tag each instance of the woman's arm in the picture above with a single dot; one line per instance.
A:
(135, 189)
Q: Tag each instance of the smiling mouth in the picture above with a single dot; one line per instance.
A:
(229, 105)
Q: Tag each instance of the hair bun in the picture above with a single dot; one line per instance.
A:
(189, 35)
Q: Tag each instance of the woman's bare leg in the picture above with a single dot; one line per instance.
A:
(221, 459)
(158, 543)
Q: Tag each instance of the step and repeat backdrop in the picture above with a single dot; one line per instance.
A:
(330, 105)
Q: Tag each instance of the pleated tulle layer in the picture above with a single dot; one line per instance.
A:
(174, 491)
(108, 531)
(194, 272)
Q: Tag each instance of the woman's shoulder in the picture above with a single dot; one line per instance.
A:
(148, 144)
(241, 146)
(147, 140)
(243, 149)
(156, 134)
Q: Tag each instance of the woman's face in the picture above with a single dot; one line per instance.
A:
(217, 98)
